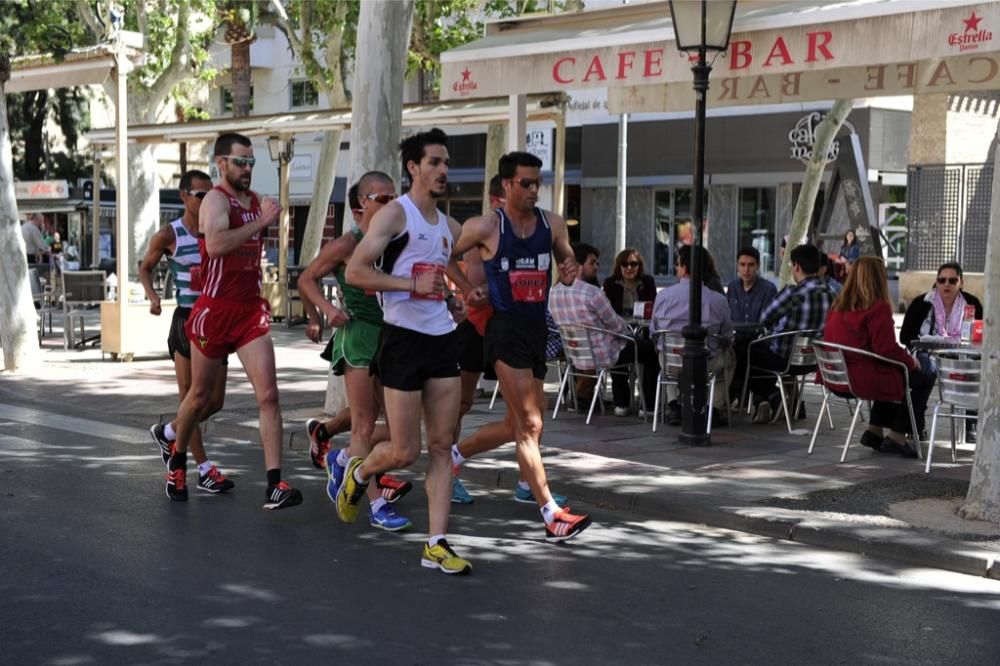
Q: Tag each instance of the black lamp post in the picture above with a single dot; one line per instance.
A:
(700, 26)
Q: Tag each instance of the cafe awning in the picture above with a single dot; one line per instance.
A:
(459, 112)
(779, 52)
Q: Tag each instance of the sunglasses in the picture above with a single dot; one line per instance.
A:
(198, 194)
(380, 198)
(947, 280)
(528, 183)
(630, 264)
(240, 162)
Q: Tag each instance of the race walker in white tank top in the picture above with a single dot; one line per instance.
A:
(420, 242)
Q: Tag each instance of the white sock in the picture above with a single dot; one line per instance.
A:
(523, 485)
(549, 511)
(169, 432)
(204, 467)
(432, 541)
(456, 456)
(378, 504)
(357, 475)
(343, 458)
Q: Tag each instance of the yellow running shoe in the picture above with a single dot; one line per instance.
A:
(351, 492)
(441, 556)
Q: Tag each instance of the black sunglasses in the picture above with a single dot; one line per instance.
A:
(947, 280)
(528, 183)
(630, 264)
(240, 162)
(199, 194)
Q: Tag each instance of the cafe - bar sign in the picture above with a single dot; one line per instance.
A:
(759, 65)
(41, 189)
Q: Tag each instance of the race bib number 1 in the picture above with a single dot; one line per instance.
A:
(528, 286)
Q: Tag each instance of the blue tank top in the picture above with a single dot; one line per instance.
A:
(519, 275)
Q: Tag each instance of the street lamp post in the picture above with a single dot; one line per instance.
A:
(699, 26)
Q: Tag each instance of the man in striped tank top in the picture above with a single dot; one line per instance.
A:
(178, 242)
(230, 315)
(517, 243)
(417, 358)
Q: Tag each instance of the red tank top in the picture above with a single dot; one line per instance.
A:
(235, 276)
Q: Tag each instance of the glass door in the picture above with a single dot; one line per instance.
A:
(673, 215)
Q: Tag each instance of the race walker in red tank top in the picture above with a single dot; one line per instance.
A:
(230, 311)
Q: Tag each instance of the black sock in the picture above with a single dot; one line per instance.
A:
(273, 477)
(321, 433)
(178, 460)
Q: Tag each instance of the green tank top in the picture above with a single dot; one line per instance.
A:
(185, 257)
(359, 304)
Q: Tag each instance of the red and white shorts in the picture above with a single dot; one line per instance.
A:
(218, 327)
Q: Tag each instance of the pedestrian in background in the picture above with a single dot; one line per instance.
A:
(629, 283)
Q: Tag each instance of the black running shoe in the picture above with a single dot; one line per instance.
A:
(282, 496)
(177, 485)
(165, 445)
(214, 482)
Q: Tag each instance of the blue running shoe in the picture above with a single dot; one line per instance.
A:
(387, 519)
(459, 495)
(525, 496)
(334, 474)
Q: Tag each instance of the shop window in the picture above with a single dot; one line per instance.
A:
(756, 226)
(227, 99)
(672, 213)
(304, 94)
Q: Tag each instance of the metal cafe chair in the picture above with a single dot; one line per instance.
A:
(958, 389)
(831, 360)
(81, 291)
(579, 350)
(670, 346)
(801, 363)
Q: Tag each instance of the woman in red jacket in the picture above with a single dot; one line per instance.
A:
(861, 316)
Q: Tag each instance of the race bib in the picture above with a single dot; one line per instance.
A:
(528, 286)
(422, 267)
(196, 281)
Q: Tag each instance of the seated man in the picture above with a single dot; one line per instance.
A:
(671, 312)
(796, 308)
(583, 302)
(747, 296)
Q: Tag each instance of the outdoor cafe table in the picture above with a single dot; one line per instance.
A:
(942, 344)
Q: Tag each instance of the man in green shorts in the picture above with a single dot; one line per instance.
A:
(358, 325)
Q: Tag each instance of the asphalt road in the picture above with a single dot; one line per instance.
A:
(99, 567)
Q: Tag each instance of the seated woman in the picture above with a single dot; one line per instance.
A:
(940, 312)
(628, 283)
(861, 316)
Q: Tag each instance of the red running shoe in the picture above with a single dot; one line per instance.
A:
(317, 448)
(392, 489)
(566, 526)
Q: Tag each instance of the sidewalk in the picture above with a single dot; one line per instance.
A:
(754, 478)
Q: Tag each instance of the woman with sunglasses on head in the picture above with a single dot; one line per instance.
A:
(628, 283)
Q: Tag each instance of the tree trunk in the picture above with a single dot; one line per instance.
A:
(377, 94)
(325, 177)
(826, 132)
(983, 500)
(18, 337)
(143, 203)
(240, 52)
(496, 146)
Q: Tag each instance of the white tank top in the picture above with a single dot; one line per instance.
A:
(419, 242)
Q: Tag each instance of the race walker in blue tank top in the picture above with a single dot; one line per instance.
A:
(518, 274)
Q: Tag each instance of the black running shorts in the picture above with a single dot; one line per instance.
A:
(406, 359)
(517, 341)
(177, 341)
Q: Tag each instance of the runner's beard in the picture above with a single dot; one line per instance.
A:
(438, 193)
(237, 183)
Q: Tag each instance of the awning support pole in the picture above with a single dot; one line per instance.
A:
(622, 178)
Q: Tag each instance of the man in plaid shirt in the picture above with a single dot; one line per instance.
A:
(584, 303)
(796, 308)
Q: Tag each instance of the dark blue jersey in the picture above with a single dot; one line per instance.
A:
(519, 273)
